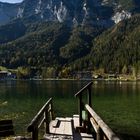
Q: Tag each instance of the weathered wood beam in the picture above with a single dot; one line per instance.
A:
(41, 117)
(102, 125)
(83, 89)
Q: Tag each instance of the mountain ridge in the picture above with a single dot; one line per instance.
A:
(74, 12)
(84, 47)
(98, 13)
(28, 41)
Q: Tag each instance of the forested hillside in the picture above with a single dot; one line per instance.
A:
(48, 45)
(117, 49)
(59, 46)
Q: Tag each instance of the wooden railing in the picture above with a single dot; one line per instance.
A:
(81, 104)
(45, 115)
(101, 128)
(103, 132)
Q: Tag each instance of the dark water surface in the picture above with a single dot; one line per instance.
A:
(118, 103)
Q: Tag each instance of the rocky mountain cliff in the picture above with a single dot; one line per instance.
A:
(71, 35)
(103, 12)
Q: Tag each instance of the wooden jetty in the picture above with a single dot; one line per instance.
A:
(87, 125)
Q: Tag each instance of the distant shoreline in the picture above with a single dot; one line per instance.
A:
(67, 79)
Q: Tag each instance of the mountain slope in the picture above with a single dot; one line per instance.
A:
(58, 45)
(73, 12)
(35, 48)
(115, 49)
(29, 13)
(44, 37)
(12, 31)
(47, 45)
(7, 12)
(80, 42)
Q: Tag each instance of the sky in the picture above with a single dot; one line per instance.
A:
(11, 1)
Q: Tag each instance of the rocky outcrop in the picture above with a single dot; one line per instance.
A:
(74, 12)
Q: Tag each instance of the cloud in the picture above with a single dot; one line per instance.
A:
(11, 1)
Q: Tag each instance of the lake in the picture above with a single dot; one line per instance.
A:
(118, 103)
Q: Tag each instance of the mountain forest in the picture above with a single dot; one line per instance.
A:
(48, 48)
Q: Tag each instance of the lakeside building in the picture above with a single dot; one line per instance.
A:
(4, 75)
(83, 75)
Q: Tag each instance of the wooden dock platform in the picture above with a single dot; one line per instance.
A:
(65, 129)
(87, 125)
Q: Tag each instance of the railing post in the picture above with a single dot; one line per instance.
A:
(46, 122)
(42, 117)
(80, 109)
(99, 134)
(89, 103)
(89, 95)
(80, 103)
(52, 112)
(35, 134)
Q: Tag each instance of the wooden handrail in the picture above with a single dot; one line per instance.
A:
(83, 89)
(100, 126)
(41, 117)
(79, 95)
(93, 120)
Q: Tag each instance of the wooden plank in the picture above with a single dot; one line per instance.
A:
(6, 127)
(94, 125)
(6, 133)
(56, 123)
(50, 137)
(60, 129)
(51, 128)
(56, 137)
(85, 136)
(80, 136)
(66, 130)
(83, 89)
(68, 126)
(65, 126)
(76, 121)
(63, 131)
(3, 122)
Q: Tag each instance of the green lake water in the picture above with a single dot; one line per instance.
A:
(118, 103)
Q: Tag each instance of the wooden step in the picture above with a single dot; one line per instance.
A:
(62, 131)
(55, 123)
(65, 129)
